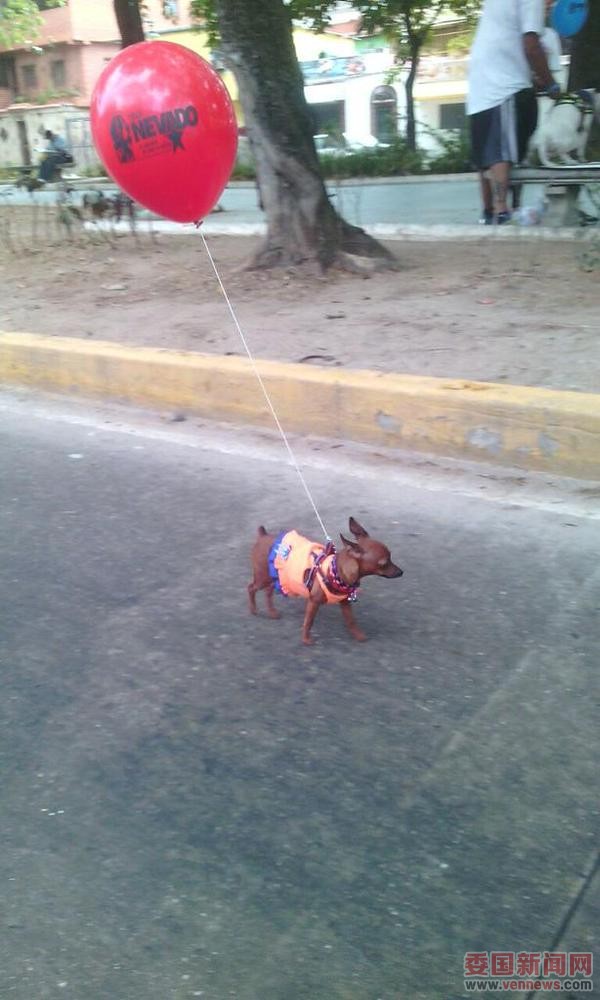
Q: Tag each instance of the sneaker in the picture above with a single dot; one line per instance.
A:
(487, 218)
(502, 218)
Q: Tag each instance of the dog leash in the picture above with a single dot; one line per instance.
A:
(264, 388)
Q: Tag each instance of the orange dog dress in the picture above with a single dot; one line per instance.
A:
(294, 560)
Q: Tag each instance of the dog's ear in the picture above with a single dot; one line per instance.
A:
(357, 530)
(354, 548)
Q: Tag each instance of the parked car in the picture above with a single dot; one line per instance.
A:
(340, 146)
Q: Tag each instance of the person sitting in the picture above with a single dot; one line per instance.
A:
(56, 155)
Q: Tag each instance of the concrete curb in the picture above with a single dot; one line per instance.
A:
(539, 429)
(389, 231)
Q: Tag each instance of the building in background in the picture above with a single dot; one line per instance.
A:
(355, 91)
(47, 83)
(346, 77)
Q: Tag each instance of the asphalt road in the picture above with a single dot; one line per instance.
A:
(194, 804)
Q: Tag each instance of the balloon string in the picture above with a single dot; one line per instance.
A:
(264, 388)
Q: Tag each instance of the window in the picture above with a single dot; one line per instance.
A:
(29, 76)
(58, 73)
(453, 116)
(329, 119)
(7, 72)
(170, 8)
(384, 114)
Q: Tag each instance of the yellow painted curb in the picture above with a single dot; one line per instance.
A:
(512, 425)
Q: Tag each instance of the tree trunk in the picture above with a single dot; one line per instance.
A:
(302, 225)
(129, 20)
(415, 41)
(411, 125)
(584, 70)
(585, 52)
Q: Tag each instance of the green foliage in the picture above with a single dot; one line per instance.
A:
(408, 24)
(243, 172)
(93, 170)
(8, 174)
(204, 16)
(395, 160)
(403, 22)
(20, 20)
(461, 44)
(454, 156)
(47, 96)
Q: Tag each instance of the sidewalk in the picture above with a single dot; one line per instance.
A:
(508, 312)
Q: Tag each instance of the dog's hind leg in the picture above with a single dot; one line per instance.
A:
(543, 154)
(252, 589)
(271, 609)
(269, 588)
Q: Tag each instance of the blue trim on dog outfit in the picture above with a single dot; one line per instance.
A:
(272, 568)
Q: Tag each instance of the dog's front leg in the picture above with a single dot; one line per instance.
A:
(312, 606)
(350, 623)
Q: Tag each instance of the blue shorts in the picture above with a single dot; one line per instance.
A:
(501, 134)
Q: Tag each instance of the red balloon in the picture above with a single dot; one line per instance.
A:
(164, 127)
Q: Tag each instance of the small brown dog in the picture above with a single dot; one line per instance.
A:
(290, 564)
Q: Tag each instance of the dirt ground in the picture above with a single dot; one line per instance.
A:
(524, 312)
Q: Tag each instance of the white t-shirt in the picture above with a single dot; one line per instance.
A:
(551, 45)
(498, 67)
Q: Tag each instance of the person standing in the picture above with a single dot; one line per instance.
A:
(507, 58)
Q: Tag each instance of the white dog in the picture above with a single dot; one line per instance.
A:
(564, 127)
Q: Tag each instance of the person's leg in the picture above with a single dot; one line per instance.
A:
(499, 174)
(487, 199)
(493, 159)
(479, 126)
(45, 169)
(48, 167)
(55, 167)
(506, 146)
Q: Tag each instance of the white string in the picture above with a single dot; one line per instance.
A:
(264, 388)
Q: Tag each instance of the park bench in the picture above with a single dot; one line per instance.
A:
(561, 189)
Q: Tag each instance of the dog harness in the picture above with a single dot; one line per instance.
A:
(582, 101)
(295, 561)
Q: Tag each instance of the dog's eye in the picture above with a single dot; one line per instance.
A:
(383, 563)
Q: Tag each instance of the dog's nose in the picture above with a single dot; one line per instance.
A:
(400, 572)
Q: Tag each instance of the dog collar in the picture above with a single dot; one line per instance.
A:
(331, 580)
(336, 585)
(584, 104)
